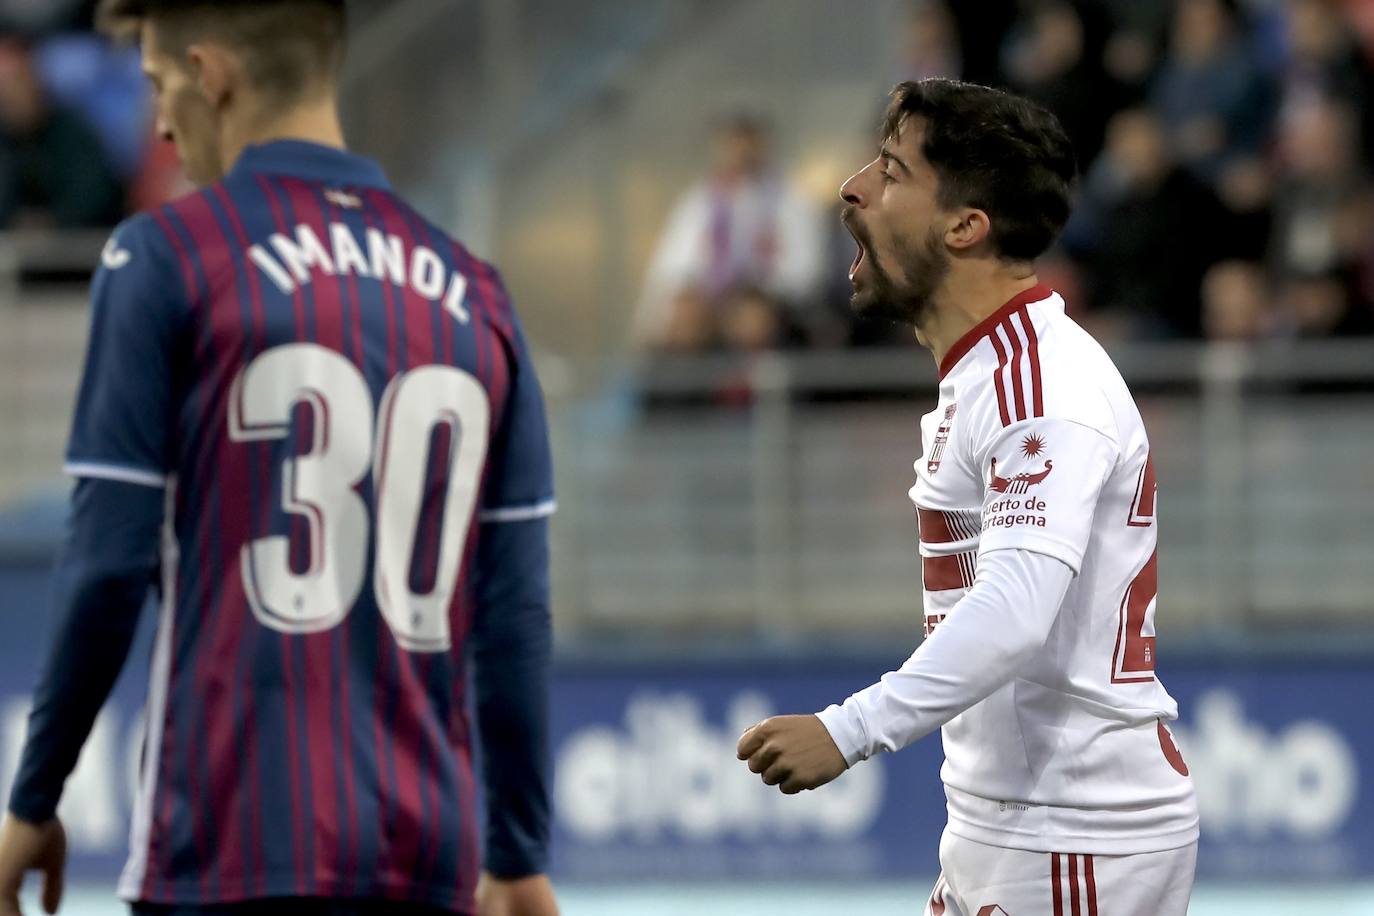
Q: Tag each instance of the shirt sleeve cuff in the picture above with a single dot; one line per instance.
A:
(32, 809)
(846, 726)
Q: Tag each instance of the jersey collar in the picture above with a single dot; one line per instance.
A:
(984, 327)
(302, 159)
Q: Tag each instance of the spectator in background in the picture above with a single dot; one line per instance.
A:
(1325, 61)
(1235, 302)
(1321, 201)
(105, 85)
(1321, 305)
(1360, 15)
(1322, 220)
(982, 29)
(1145, 231)
(930, 46)
(1131, 53)
(1214, 98)
(34, 17)
(53, 171)
(741, 238)
(1050, 59)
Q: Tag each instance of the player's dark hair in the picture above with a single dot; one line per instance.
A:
(994, 151)
(287, 45)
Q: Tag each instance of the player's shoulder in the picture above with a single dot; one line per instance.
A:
(483, 277)
(141, 250)
(487, 297)
(487, 294)
(1081, 382)
(1032, 361)
(170, 229)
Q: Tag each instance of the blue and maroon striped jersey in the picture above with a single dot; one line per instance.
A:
(336, 396)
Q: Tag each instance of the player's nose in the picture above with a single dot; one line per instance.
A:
(851, 192)
(164, 130)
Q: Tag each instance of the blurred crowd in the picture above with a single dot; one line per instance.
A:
(1225, 148)
(76, 133)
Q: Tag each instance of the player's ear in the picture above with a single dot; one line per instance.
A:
(215, 71)
(968, 228)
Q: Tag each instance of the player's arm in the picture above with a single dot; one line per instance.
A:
(511, 645)
(109, 557)
(1024, 570)
(990, 634)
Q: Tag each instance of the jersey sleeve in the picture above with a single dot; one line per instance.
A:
(125, 404)
(981, 645)
(1042, 478)
(520, 478)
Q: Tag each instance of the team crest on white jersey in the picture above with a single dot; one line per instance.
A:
(1031, 446)
(937, 449)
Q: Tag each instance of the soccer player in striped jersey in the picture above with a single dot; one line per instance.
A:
(312, 418)
(1036, 508)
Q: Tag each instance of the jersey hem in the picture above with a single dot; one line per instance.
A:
(1053, 841)
(190, 891)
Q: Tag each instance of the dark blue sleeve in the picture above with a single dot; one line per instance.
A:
(520, 476)
(511, 645)
(511, 637)
(108, 562)
(125, 410)
(120, 453)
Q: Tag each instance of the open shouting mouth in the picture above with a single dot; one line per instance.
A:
(862, 253)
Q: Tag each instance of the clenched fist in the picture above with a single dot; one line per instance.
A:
(794, 752)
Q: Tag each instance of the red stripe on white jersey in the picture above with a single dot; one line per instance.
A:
(1073, 886)
(941, 574)
(934, 526)
(1091, 885)
(1082, 895)
(1020, 391)
(997, 377)
(1033, 358)
(1017, 345)
(1056, 891)
(940, 526)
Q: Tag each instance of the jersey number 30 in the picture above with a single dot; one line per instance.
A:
(320, 486)
(1133, 659)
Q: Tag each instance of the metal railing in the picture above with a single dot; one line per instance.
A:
(766, 496)
(788, 517)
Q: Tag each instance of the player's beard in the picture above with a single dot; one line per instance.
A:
(923, 265)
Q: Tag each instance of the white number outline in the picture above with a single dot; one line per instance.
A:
(262, 398)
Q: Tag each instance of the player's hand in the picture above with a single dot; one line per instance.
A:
(531, 896)
(31, 847)
(794, 752)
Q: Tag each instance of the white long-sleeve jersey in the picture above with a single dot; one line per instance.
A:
(1036, 504)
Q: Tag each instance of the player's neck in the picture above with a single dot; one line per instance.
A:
(316, 122)
(965, 300)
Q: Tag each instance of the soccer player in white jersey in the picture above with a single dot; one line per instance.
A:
(1036, 503)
